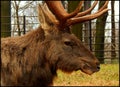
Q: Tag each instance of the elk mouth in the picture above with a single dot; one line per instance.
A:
(86, 68)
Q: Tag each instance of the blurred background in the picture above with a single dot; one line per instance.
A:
(100, 35)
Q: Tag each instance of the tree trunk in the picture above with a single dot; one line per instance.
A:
(113, 53)
(99, 40)
(5, 18)
(87, 5)
(76, 29)
(17, 17)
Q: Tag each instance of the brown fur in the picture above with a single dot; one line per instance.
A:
(34, 58)
(23, 60)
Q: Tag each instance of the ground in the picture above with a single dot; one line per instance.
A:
(107, 76)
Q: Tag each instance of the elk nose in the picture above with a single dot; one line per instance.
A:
(98, 67)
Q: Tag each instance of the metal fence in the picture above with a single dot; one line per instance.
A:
(28, 23)
(107, 43)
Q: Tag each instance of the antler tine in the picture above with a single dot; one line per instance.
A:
(104, 6)
(75, 20)
(85, 18)
(75, 12)
(57, 8)
(87, 11)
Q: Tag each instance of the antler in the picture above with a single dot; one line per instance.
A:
(67, 19)
(57, 8)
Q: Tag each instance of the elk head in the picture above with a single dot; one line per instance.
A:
(66, 51)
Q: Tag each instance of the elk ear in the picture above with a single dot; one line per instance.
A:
(46, 18)
(43, 18)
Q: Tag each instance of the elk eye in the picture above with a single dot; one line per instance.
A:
(68, 43)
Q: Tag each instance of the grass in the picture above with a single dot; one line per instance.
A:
(107, 76)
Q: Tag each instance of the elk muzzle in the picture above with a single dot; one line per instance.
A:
(90, 66)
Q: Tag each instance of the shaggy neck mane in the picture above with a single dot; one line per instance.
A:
(32, 37)
(29, 52)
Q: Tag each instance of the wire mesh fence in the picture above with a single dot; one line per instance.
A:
(28, 23)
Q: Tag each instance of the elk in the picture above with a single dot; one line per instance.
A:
(34, 58)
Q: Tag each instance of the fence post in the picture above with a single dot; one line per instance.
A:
(90, 36)
(119, 42)
(24, 23)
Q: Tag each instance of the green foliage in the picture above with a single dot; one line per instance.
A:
(100, 31)
(5, 18)
(77, 28)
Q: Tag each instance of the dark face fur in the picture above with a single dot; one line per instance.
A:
(67, 53)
